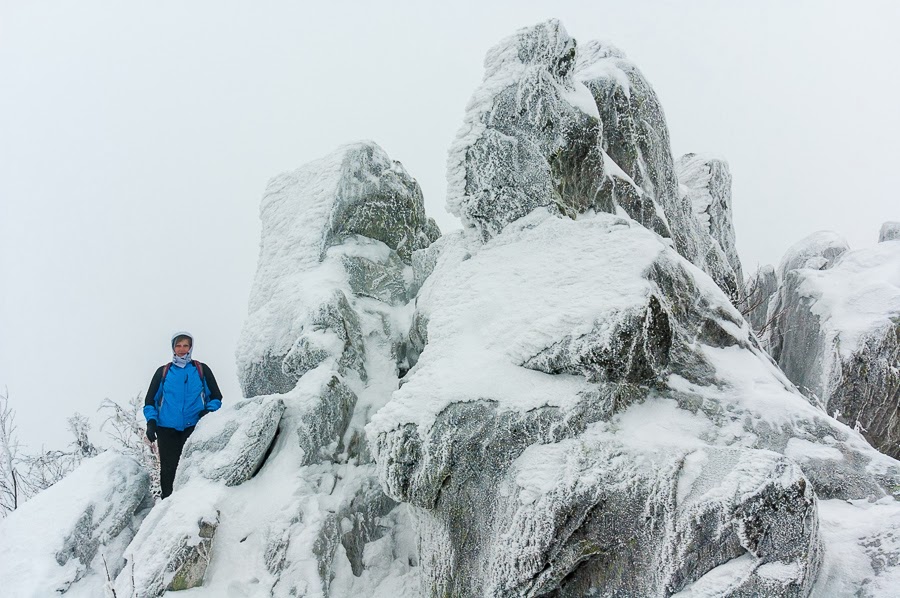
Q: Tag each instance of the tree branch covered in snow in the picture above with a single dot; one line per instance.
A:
(125, 427)
(9, 477)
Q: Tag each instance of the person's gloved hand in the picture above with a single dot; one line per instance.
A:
(151, 430)
(213, 405)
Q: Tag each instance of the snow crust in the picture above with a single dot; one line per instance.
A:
(858, 296)
(485, 318)
(72, 535)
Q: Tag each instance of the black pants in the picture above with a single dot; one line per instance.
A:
(170, 442)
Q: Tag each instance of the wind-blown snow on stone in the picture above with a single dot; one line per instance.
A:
(571, 129)
(890, 231)
(593, 344)
(836, 331)
(70, 537)
(309, 215)
(277, 495)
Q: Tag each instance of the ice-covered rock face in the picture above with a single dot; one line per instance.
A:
(277, 495)
(836, 331)
(530, 138)
(573, 129)
(890, 231)
(706, 182)
(74, 534)
(570, 420)
(342, 225)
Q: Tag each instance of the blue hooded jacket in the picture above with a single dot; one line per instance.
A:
(177, 400)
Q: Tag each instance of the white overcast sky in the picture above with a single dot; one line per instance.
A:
(136, 139)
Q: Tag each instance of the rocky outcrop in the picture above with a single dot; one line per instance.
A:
(231, 444)
(706, 183)
(553, 401)
(576, 130)
(76, 531)
(352, 217)
(587, 413)
(172, 549)
(283, 483)
(890, 231)
(835, 331)
(590, 351)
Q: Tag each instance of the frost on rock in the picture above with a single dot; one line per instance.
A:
(573, 129)
(278, 495)
(530, 138)
(230, 445)
(836, 331)
(346, 222)
(689, 200)
(172, 549)
(890, 231)
(592, 338)
(68, 538)
(706, 182)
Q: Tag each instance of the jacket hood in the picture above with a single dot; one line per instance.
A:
(182, 333)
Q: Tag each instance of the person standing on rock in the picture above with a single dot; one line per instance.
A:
(180, 393)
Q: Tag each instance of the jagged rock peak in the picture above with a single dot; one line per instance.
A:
(330, 227)
(706, 182)
(890, 231)
(571, 129)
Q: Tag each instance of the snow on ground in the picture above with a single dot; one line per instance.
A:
(486, 319)
(858, 297)
(87, 516)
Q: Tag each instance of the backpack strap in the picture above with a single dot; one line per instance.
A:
(165, 371)
(199, 367)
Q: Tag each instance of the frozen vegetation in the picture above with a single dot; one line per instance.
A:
(560, 399)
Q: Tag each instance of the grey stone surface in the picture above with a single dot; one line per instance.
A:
(332, 332)
(74, 530)
(706, 182)
(171, 551)
(526, 144)
(324, 421)
(332, 209)
(229, 446)
(795, 339)
(890, 231)
(378, 199)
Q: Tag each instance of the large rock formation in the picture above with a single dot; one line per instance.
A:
(588, 413)
(835, 331)
(578, 131)
(364, 211)
(558, 400)
(73, 536)
(283, 483)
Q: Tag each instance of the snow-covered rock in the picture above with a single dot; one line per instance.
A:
(230, 444)
(890, 231)
(70, 539)
(836, 331)
(558, 400)
(277, 495)
(574, 129)
(172, 549)
(592, 344)
(706, 182)
(343, 221)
